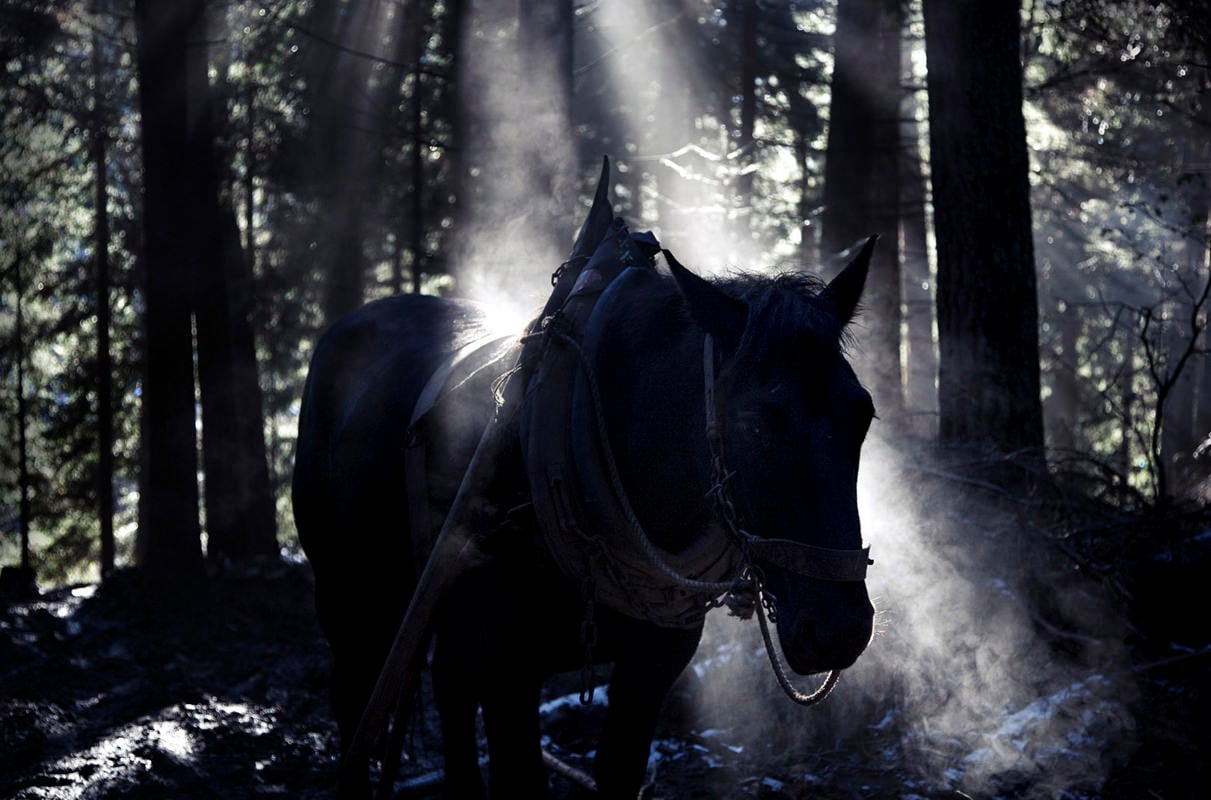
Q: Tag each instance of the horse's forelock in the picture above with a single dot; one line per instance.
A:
(785, 307)
(790, 307)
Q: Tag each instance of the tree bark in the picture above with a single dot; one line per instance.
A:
(352, 78)
(417, 163)
(862, 177)
(748, 113)
(240, 516)
(104, 363)
(917, 283)
(544, 101)
(1202, 405)
(24, 512)
(1063, 411)
(170, 537)
(987, 298)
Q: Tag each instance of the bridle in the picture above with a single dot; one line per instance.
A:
(810, 561)
(748, 594)
(744, 592)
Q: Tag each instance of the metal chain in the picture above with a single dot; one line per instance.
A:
(796, 696)
(745, 592)
(752, 595)
(588, 637)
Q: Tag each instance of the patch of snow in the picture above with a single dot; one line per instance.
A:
(887, 720)
(1018, 727)
(601, 696)
(173, 739)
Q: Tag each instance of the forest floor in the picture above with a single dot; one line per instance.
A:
(98, 702)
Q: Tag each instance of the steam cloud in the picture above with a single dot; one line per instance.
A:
(522, 166)
(961, 688)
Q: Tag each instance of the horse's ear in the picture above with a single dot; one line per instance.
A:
(845, 290)
(715, 311)
(601, 215)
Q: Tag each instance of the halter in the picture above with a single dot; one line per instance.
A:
(583, 509)
(810, 561)
(748, 594)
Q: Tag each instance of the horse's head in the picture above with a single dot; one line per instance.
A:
(792, 417)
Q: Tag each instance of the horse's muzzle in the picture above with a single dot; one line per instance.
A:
(827, 638)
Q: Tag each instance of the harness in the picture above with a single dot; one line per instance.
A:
(583, 509)
(463, 363)
(593, 535)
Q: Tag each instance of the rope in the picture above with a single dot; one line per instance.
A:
(784, 681)
(636, 527)
(742, 595)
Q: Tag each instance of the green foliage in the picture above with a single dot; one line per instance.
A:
(55, 102)
(1118, 128)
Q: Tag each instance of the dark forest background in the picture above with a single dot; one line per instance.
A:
(190, 190)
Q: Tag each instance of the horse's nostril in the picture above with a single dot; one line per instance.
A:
(812, 646)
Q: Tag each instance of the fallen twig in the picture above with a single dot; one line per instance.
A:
(566, 770)
(1164, 662)
(424, 785)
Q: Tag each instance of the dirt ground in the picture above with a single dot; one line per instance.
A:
(95, 702)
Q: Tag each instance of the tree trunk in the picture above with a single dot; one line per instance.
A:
(454, 32)
(748, 116)
(240, 517)
(544, 103)
(1202, 405)
(104, 364)
(352, 78)
(1063, 411)
(809, 248)
(987, 298)
(24, 512)
(18, 582)
(417, 164)
(1126, 391)
(862, 180)
(1177, 427)
(169, 538)
(917, 284)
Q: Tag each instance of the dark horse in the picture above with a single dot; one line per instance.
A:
(718, 411)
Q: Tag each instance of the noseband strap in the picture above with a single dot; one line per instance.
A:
(822, 563)
(806, 560)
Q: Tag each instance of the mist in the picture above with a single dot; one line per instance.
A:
(962, 687)
(522, 217)
(531, 188)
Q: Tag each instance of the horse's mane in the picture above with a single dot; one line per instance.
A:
(782, 306)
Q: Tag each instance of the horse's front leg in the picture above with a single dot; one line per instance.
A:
(510, 708)
(640, 681)
(487, 660)
(457, 704)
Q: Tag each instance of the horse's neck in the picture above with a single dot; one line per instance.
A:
(657, 428)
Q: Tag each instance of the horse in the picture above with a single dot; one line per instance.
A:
(673, 440)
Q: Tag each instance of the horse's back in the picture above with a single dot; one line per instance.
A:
(349, 496)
